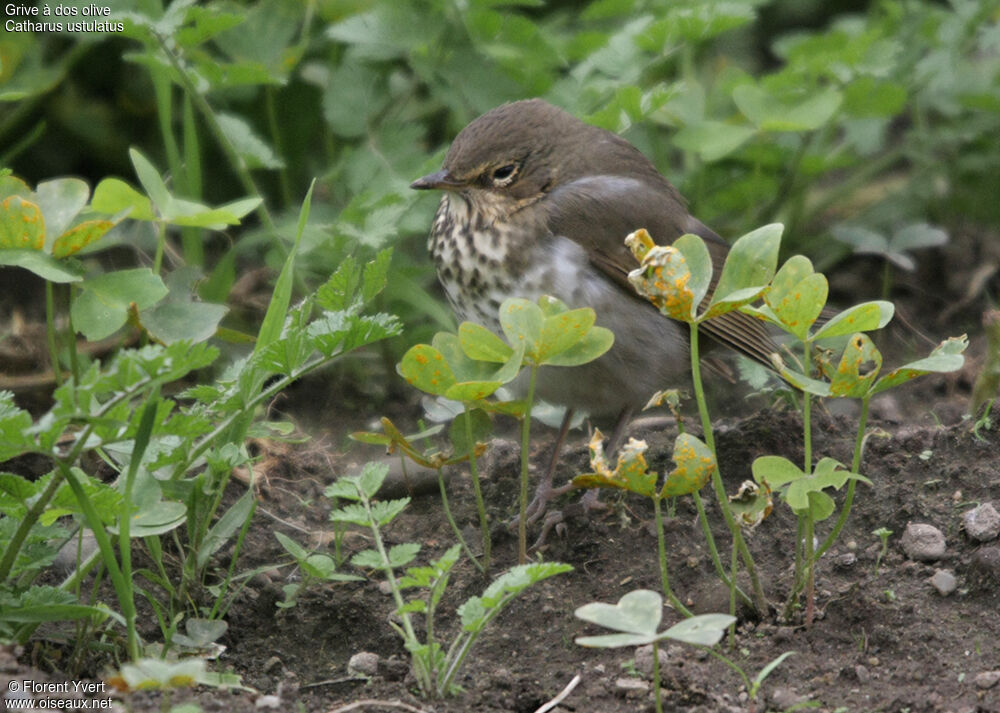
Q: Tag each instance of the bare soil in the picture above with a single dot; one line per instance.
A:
(885, 639)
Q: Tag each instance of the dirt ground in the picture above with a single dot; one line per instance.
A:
(885, 638)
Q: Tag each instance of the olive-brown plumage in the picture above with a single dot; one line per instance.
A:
(538, 202)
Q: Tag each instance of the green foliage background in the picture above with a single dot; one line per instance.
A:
(842, 116)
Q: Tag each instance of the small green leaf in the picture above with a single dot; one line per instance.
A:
(594, 343)
(701, 630)
(522, 322)
(114, 195)
(42, 264)
(371, 478)
(748, 269)
(80, 236)
(637, 614)
(291, 546)
(60, 201)
(425, 367)
(481, 344)
(860, 318)
(402, 554)
(562, 331)
(699, 262)
(797, 296)
(946, 357)
(102, 306)
(21, 224)
(150, 179)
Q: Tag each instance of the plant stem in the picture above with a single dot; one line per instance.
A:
(661, 542)
(423, 677)
(454, 525)
(733, 565)
(720, 571)
(845, 511)
(484, 525)
(718, 486)
(522, 525)
(656, 677)
(50, 331)
(810, 570)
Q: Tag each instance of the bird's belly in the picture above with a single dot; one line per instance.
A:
(650, 351)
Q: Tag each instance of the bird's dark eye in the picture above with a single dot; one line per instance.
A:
(503, 175)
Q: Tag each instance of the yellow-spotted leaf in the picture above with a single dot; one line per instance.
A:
(859, 367)
(694, 466)
(80, 236)
(561, 331)
(425, 367)
(630, 474)
(21, 224)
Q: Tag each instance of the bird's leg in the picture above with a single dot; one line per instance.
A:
(546, 491)
(591, 499)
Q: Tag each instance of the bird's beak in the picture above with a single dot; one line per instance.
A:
(439, 180)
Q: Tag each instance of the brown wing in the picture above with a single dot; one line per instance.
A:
(599, 211)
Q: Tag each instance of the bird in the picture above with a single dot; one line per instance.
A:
(537, 202)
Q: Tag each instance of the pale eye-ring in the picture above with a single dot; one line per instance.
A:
(504, 174)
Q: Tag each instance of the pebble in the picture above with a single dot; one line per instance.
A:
(644, 659)
(944, 581)
(267, 702)
(845, 560)
(863, 674)
(923, 542)
(982, 523)
(363, 663)
(983, 574)
(785, 698)
(987, 679)
(631, 686)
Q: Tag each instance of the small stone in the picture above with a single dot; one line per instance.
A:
(644, 659)
(864, 676)
(631, 687)
(983, 573)
(783, 634)
(845, 560)
(982, 523)
(384, 587)
(873, 661)
(271, 663)
(784, 698)
(944, 581)
(923, 542)
(267, 702)
(987, 679)
(363, 663)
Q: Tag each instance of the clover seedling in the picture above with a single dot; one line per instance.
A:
(470, 366)
(695, 464)
(677, 280)
(637, 617)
